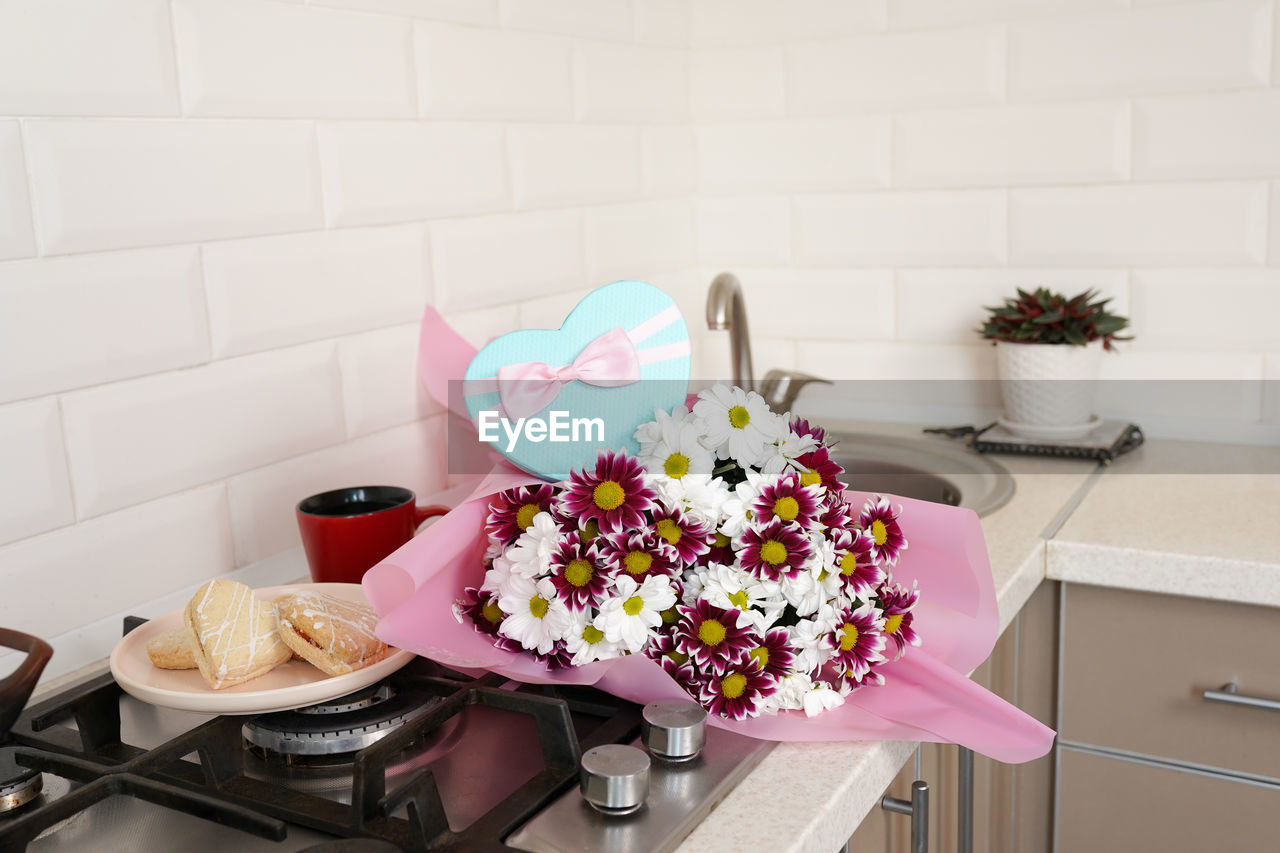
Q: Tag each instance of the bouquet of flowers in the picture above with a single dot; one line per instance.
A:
(724, 550)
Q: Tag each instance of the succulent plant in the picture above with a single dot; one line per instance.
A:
(1045, 317)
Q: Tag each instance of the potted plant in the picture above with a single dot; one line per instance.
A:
(1048, 351)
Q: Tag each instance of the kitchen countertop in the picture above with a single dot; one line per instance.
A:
(1151, 521)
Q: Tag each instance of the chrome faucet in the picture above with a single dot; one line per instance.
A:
(727, 309)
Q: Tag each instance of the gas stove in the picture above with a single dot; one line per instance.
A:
(428, 759)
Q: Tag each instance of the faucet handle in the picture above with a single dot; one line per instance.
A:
(781, 387)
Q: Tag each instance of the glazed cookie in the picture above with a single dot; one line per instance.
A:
(334, 634)
(232, 634)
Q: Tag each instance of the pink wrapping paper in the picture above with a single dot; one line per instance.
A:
(926, 698)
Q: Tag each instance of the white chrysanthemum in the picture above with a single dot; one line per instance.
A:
(759, 601)
(498, 573)
(650, 433)
(736, 424)
(792, 690)
(677, 452)
(536, 617)
(806, 592)
(631, 612)
(699, 496)
(780, 455)
(586, 641)
(532, 551)
(821, 698)
(811, 639)
(736, 510)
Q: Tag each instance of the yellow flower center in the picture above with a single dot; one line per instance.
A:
(893, 623)
(739, 417)
(848, 636)
(732, 686)
(609, 495)
(633, 605)
(637, 562)
(524, 515)
(538, 606)
(722, 541)
(823, 575)
(578, 572)
(786, 508)
(670, 616)
(592, 634)
(492, 612)
(773, 552)
(669, 531)
(760, 655)
(810, 478)
(680, 658)
(739, 599)
(590, 530)
(676, 466)
(711, 632)
(879, 532)
(848, 564)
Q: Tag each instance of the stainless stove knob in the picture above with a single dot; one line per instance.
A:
(676, 731)
(614, 778)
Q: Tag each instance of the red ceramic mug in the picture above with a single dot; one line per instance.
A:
(346, 531)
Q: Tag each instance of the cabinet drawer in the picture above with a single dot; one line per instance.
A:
(1135, 666)
(1111, 804)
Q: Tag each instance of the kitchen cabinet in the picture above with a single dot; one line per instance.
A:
(1145, 759)
(1012, 804)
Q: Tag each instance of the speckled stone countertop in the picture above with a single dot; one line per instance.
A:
(1171, 517)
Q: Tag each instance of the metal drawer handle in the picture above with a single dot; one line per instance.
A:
(1230, 694)
(918, 808)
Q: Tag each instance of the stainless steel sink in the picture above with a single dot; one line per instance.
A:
(930, 469)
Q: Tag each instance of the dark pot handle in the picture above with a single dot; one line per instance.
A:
(16, 689)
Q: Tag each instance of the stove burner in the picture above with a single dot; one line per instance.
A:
(342, 726)
(18, 785)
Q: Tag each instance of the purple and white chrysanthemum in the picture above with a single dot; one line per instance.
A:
(579, 572)
(511, 512)
(858, 641)
(640, 554)
(738, 692)
(898, 604)
(786, 499)
(710, 636)
(822, 469)
(481, 608)
(615, 494)
(879, 518)
(800, 426)
(689, 537)
(774, 550)
(774, 655)
(856, 563)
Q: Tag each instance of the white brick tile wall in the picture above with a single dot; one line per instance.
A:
(670, 160)
(941, 67)
(271, 292)
(912, 14)
(555, 165)
(37, 494)
(483, 12)
(631, 83)
(732, 23)
(77, 321)
(855, 304)
(380, 383)
(141, 439)
(1183, 364)
(262, 501)
(549, 312)
(1273, 247)
(1209, 309)
(464, 72)
(946, 305)
(293, 61)
(657, 236)
(1228, 135)
(1002, 146)
(1178, 48)
(1271, 391)
(895, 361)
(540, 252)
(481, 325)
(603, 19)
(109, 57)
(745, 231)
(909, 228)
(738, 83)
(377, 172)
(1201, 223)
(796, 154)
(17, 239)
(115, 184)
(108, 564)
(663, 22)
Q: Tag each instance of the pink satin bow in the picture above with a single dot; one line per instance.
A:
(609, 361)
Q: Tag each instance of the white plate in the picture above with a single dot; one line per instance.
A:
(1048, 433)
(295, 684)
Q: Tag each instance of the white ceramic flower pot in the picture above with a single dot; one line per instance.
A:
(1048, 389)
